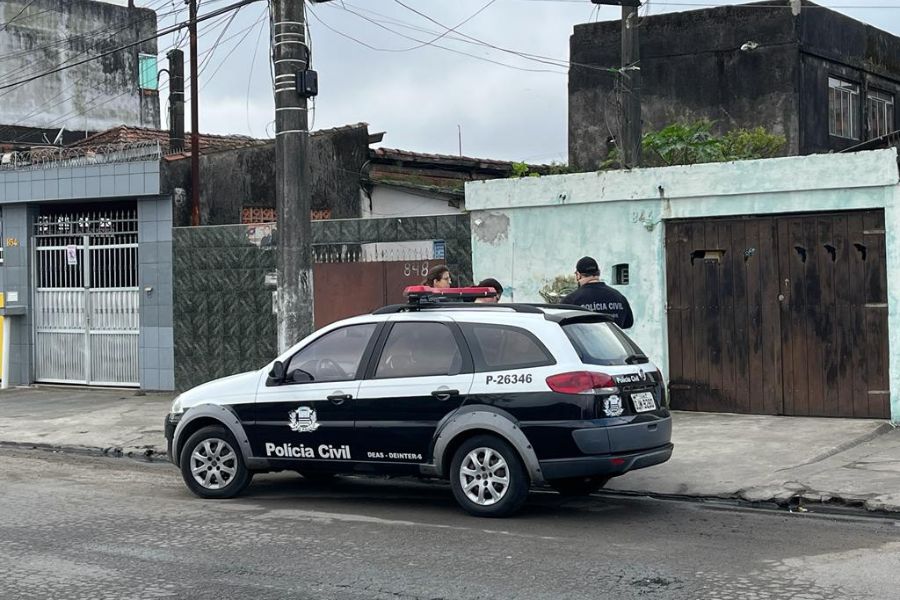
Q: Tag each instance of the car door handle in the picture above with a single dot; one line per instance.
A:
(444, 395)
(338, 399)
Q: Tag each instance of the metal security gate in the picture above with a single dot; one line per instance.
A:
(86, 298)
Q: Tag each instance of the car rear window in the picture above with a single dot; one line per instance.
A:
(500, 347)
(601, 343)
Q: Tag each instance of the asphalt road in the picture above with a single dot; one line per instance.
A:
(76, 527)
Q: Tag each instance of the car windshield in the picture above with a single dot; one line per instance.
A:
(601, 343)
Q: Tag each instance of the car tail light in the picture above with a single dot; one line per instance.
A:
(581, 382)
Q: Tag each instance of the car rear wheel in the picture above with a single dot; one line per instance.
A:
(488, 478)
(578, 486)
(212, 465)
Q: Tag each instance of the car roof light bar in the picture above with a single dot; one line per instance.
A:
(417, 294)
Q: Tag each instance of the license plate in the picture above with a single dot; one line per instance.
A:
(643, 401)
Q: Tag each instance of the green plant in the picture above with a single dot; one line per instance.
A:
(693, 143)
(682, 144)
(557, 289)
(519, 169)
(746, 144)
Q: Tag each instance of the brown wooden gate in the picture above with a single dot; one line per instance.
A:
(779, 315)
(353, 288)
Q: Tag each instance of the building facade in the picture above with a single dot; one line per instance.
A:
(42, 35)
(823, 80)
(766, 286)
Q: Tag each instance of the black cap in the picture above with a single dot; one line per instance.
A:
(587, 266)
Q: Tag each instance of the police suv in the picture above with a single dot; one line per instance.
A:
(494, 397)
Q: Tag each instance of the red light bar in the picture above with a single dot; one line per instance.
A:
(424, 291)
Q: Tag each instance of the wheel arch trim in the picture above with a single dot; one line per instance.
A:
(222, 414)
(490, 419)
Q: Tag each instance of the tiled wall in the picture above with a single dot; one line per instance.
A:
(223, 319)
(223, 316)
(156, 341)
(88, 182)
(453, 229)
(18, 221)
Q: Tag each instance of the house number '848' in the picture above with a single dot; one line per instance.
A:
(413, 269)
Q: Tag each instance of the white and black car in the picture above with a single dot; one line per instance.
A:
(494, 397)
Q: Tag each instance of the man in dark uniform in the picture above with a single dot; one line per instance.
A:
(595, 295)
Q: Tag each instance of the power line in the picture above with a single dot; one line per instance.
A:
(247, 32)
(739, 5)
(468, 39)
(112, 33)
(18, 14)
(454, 51)
(158, 34)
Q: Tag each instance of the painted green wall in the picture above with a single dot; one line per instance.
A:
(527, 231)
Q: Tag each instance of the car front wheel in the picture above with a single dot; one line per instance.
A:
(488, 478)
(212, 465)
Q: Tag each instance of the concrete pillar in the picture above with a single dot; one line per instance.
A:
(18, 228)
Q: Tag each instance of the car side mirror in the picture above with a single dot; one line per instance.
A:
(300, 376)
(277, 372)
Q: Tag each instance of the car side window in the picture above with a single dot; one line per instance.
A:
(333, 357)
(419, 350)
(500, 347)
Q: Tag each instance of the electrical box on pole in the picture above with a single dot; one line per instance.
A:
(307, 83)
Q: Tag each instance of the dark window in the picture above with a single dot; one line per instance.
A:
(620, 274)
(599, 343)
(843, 109)
(499, 347)
(881, 113)
(419, 350)
(333, 357)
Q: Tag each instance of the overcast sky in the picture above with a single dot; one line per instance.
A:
(417, 92)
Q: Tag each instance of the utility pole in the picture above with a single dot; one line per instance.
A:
(195, 118)
(176, 100)
(629, 82)
(293, 201)
(631, 88)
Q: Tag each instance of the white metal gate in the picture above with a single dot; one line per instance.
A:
(86, 299)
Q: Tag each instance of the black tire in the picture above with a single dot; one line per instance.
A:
(504, 503)
(317, 476)
(227, 476)
(578, 486)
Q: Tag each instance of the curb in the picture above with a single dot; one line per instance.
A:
(142, 453)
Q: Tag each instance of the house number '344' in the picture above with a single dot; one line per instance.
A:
(12, 242)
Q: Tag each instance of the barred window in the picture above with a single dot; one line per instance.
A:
(880, 107)
(843, 109)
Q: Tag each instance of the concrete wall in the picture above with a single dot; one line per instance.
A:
(245, 177)
(94, 96)
(389, 201)
(692, 67)
(527, 231)
(156, 339)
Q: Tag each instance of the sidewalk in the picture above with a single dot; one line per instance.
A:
(755, 458)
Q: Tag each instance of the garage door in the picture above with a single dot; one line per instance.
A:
(779, 315)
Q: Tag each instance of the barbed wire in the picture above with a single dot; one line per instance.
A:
(46, 157)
